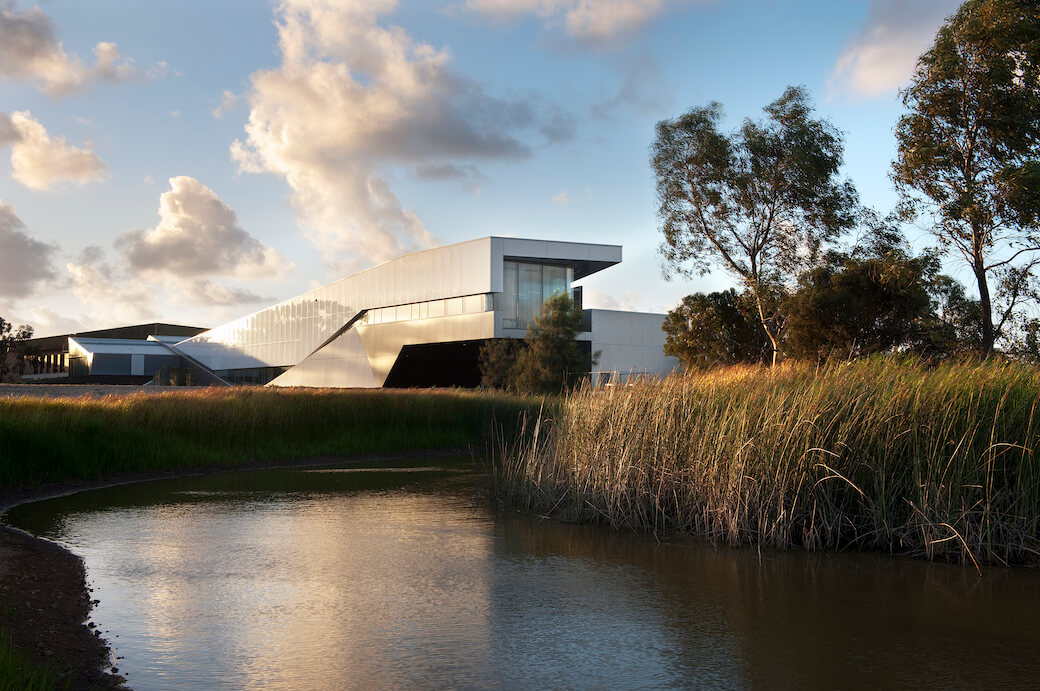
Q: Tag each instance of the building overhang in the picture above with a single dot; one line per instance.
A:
(585, 258)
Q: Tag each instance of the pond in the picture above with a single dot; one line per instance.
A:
(396, 574)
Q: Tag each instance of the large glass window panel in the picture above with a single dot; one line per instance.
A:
(436, 308)
(510, 291)
(530, 292)
(554, 280)
(453, 306)
(472, 304)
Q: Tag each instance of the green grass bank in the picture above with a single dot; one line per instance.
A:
(62, 439)
(928, 461)
(19, 673)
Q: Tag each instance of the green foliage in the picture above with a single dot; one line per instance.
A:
(969, 150)
(551, 359)
(10, 340)
(853, 306)
(48, 440)
(497, 359)
(751, 202)
(713, 329)
(880, 454)
(18, 673)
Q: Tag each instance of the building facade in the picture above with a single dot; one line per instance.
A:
(102, 356)
(417, 320)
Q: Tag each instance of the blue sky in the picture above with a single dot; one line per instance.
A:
(194, 162)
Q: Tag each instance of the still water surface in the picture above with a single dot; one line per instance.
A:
(395, 575)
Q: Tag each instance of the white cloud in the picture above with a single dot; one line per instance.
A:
(229, 100)
(198, 235)
(30, 50)
(47, 322)
(111, 296)
(24, 262)
(352, 97)
(882, 56)
(40, 161)
(597, 299)
(206, 292)
(595, 22)
(561, 198)
(642, 88)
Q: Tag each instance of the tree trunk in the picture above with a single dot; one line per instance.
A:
(770, 328)
(988, 337)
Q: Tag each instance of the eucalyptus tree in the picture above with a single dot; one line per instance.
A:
(756, 203)
(969, 150)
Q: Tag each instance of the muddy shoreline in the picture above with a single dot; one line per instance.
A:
(45, 597)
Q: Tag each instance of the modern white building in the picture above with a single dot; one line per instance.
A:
(420, 319)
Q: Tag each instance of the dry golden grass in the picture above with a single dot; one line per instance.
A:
(878, 454)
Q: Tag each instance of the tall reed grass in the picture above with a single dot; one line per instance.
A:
(937, 462)
(43, 440)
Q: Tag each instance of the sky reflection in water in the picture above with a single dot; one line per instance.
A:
(398, 577)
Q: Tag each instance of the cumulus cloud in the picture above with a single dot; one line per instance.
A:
(40, 161)
(205, 292)
(24, 262)
(198, 235)
(882, 56)
(111, 296)
(353, 96)
(30, 50)
(642, 88)
(595, 22)
(229, 100)
(561, 198)
(597, 299)
(47, 322)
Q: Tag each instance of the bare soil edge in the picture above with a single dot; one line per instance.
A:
(45, 598)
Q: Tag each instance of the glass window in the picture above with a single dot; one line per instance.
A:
(424, 310)
(554, 280)
(530, 292)
(510, 291)
(525, 286)
(404, 312)
(436, 308)
(453, 306)
(471, 304)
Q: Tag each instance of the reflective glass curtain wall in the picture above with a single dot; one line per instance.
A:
(526, 286)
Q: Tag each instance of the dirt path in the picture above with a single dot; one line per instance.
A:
(46, 600)
(77, 390)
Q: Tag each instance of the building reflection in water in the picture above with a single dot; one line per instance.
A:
(397, 577)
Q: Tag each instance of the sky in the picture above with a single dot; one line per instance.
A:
(194, 162)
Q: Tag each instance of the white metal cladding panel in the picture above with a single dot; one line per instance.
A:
(364, 355)
(342, 363)
(630, 342)
(285, 334)
(383, 342)
(116, 346)
(554, 249)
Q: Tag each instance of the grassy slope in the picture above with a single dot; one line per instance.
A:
(878, 454)
(45, 440)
